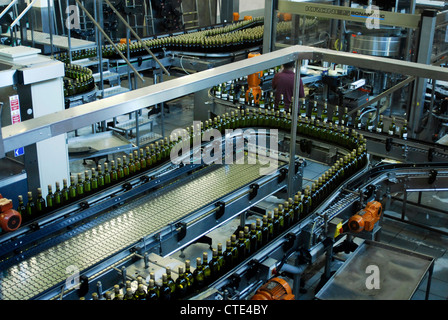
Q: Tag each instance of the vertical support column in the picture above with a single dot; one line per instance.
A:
(269, 25)
(46, 161)
(293, 136)
(415, 110)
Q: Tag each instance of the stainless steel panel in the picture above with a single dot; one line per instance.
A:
(401, 272)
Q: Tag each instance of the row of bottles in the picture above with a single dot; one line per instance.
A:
(311, 110)
(94, 180)
(243, 242)
(77, 80)
(235, 36)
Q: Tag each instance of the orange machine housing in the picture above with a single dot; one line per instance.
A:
(10, 219)
(366, 218)
(253, 81)
(274, 289)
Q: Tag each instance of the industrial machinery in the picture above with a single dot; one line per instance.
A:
(156, 216)
(366, 218)
(274, 289)
(10, 219)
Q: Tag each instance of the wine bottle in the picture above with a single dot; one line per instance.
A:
(49, 199)
(165, 290)
(152, 294)
(181, 284)
(40, 203)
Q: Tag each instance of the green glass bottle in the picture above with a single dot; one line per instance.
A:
(170, 281)
(57, 196)
(94, 180)
(214, 266)
(369, 124)
(152, 293)
(228, 256)
(303, 109)
(345, 117)
(253, 239)
(165, 290)
(206, 268)
(298, 207)
(335, 118)
(65, 192)
(221, 260)
(49, 199)
(140, 293)
(40, 203)
(72, 189)
(189, 276)
(324, 113)
(281, 104)
(181, 284)
(392, 127)
(21, 208)
(113, 172)
(198, 273)
(100, 177)
(235, 251)
(126, 172)
(404, 130)
(107, 175)
(30, 207)
(87, 183)
(281, 217)
(380, 125)
(242, 96)
(243, 246)
(129, 294)
(80, 187)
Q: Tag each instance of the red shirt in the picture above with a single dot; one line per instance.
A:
(283, 83)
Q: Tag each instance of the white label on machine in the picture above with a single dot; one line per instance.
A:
(15, 118)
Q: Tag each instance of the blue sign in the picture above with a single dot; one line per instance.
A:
(19, 152)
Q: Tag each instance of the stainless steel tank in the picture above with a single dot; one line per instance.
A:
(380, 46)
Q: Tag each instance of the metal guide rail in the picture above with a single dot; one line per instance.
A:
(120, 228)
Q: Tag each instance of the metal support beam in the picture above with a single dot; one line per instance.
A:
(294, 117)
(415, 109)
(108, 39)
(136, 36)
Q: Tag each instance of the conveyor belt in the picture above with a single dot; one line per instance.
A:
(134, 220)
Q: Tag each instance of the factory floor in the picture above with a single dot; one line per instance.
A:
(393, 232)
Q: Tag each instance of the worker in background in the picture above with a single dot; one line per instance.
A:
(283, 83)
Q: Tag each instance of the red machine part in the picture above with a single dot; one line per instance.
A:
(274, 289)
(10, 219)
(366, 218)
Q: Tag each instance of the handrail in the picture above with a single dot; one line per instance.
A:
(41, 128)
(136, 36)
(20, 16)
(13, 2)
(108, 39)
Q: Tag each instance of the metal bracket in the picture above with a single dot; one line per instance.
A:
(283, 174)
(221, 209)
(290, 239)
(253, 190)
(432, 176)
(182, 230)
(83, 285)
